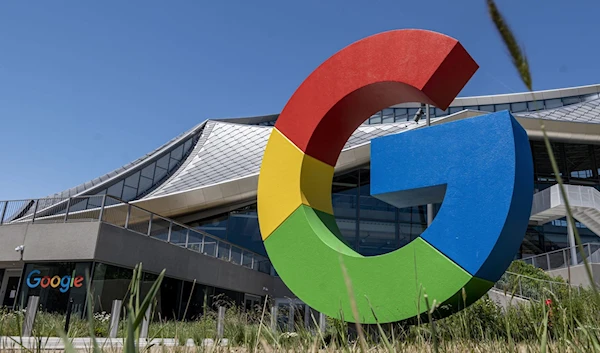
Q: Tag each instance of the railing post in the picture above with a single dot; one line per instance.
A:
(274, 318)
(565, 258)
(115, 317)
(150, 224)
(520, 287)
(202, 244)
(242, 257)
(548, 261)
(589, 247)
(291, 318)
(187, 238)
(102, 208)
(67, 209)
(230, 250)
(322, 322)
(220, 322)
(31, 311)
(169, 233)
(37, 202)
(3, 212)
(127, 216)
(146, 323)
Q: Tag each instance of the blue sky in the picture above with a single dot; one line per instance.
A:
(87, 86)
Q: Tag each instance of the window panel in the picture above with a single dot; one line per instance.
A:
(533, 106)
(187, 145)
(570, 100)
(133, 180)
(500, 107)
(487, 108)
(455, 109)
(173, 163)
(553, 103)
(145, 184)
(148, 171)
(177, 153)
(159, 174)
(163, 162)
(129, 193)
(116, 189)
(518, 107)
(439, 112)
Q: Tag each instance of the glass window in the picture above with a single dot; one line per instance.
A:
(223, 253)
(145, 185)
(536, 105)
(148, 171)
(570, 100)
(129, 193)
(159, 174)
(55, 283)
(542, 166)
(116, 190)
(109, 283)
(236, 255)
(133, 180)
(439, 112)
(216, 226)
(187, 145)
(455, 109)
(472, 107)
(375, 119)
(553, 103)
(518, 107)
(173, 163)
(579, 159)
(487, 108)
(163, 162)
(401, 114)
(500, 107)
(177, 153)
(376, 238)
(243, 230)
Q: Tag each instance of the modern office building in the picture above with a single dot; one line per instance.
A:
(190, 207)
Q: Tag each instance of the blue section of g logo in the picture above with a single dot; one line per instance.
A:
(481, 170)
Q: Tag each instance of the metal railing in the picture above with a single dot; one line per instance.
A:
(111, 210)
(562, 258)
(527, 287)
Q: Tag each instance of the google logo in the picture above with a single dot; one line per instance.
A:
(64, 282)
(484, 209)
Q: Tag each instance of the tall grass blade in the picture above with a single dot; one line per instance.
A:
(348, 281)
(518, 57)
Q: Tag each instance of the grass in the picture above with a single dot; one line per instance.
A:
(572, 321)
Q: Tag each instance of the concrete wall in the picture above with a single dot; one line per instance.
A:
(11, 236)
(578, 274)
(125, 248)
(95, 241)
(60, 241)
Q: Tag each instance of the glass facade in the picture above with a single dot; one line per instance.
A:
(57, 283)
(392, 115)
(373, 227)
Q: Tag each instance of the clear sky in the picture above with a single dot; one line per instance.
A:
(87, 86)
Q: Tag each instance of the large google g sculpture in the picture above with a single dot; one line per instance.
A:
(479, 168)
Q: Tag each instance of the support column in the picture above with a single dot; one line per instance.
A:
(572, 244)
(429, 206)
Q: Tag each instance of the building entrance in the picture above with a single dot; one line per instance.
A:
(9, 287)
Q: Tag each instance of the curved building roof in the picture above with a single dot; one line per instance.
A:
(217, 162)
